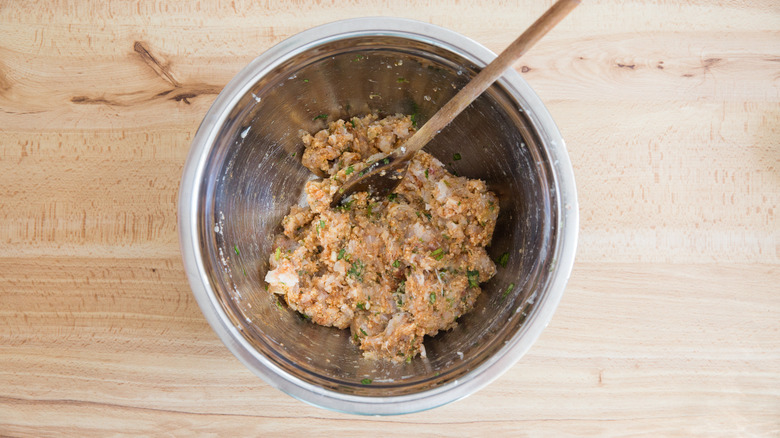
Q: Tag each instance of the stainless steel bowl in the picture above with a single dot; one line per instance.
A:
(243, 173)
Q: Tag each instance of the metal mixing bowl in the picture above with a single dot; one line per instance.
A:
(243, 174)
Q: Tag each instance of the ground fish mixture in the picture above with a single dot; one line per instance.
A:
(392, 270)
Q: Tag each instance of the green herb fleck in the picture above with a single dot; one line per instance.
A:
(235, 248)
(426, 173)
(428, 215)
(456, 157)
(244, 269)
(355, 337)
(342, 252)
(320, 225)
(366, 381)
(279, 305)
(358, 57)
(356, 270)
(321, 116)
(432, 297)
(402, 80)
(294, 154)
(509, 289)
(438, 254)
(392, 196)
(364, 332)
(352, 122)
(386, 161)
(370, 208)
(349, 170)
(396, 263)
(346, 205)
(306, 80)
(408, 359)
(414, 120)
(278, 253)
(503, 260)
(401, 288)
(473, 277)
(361, 306)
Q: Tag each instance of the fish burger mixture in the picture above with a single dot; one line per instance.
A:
(392, 270)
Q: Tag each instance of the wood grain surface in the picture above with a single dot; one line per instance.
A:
(670, 325)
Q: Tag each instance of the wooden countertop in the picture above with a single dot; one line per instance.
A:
(670, 324)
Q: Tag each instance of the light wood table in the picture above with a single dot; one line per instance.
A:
(671, 321)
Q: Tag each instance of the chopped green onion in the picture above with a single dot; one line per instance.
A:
(321, 116)
(278, 253)
(432, 297)
(346, 205)
(342, 252)
(235, 248)
(473, 277)
(366, 381)
(392, 196)
(438, 254)
(509, 289)
(396, 263)
(426, 173)
(306, 80)
(357, 270)
(349, 170)
(456, 157)
(503, 260)
(370, 208)
(360, 306)
(364, 332)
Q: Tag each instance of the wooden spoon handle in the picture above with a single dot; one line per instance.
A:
(488, 75)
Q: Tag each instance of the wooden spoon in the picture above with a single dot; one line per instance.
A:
(382, 177)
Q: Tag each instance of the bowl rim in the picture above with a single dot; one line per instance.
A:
(189, 201)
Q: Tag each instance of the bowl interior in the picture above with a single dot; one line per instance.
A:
(253, 176)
